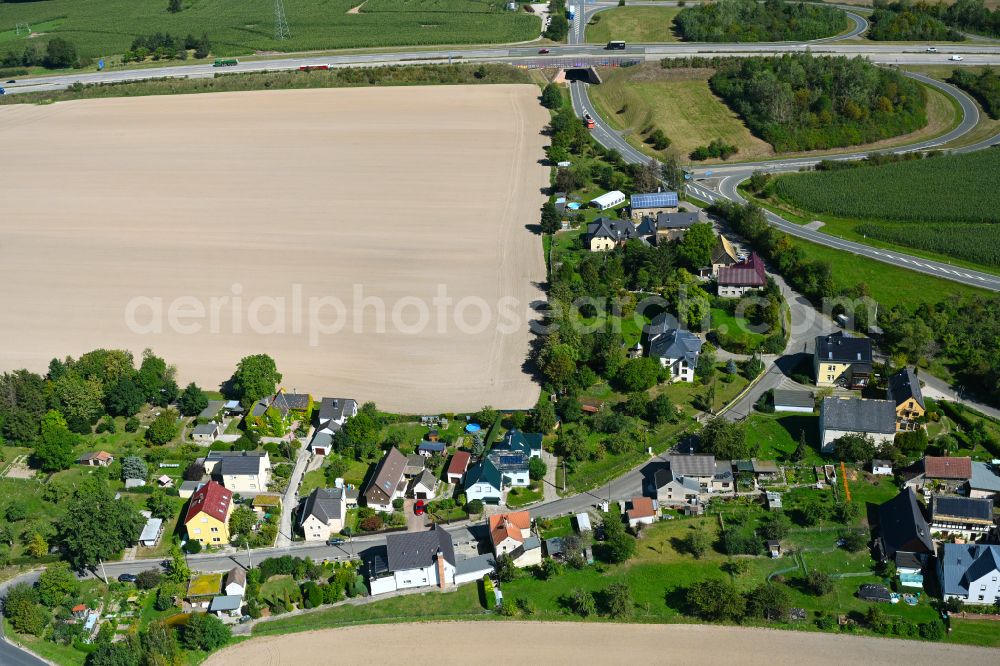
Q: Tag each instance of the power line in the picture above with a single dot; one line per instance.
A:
(281, 32)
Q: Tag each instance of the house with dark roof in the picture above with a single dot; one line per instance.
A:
(484, 482)
(235, 583)
(842, 360)
(528, 443)
(665, 227)
(961, 517)
(240, 471)
(675, 348)
(723, 481)
(212, 412)
(701, 468)
(970, 572)
(96, 459)
(206, 433)
(674, 489)
(428, 448)
(323, 513)
(942, 474)
(412, 559)
(984, 482)
(334, 412)
(207, 516)
(605, 234)
(425, 486)
(736, 280)
(902, 527)
(388, 482)
(904, 391)
(855, 416)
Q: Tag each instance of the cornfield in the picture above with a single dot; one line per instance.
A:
(978, 243)
(107, 27)
(951, 188)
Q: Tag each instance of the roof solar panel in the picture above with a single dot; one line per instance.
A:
(655, 199)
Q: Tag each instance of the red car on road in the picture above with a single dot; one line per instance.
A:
(419, 508)
(543, 51)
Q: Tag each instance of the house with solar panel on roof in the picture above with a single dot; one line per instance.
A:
(505, 466)
(652, 204)
(961, 517)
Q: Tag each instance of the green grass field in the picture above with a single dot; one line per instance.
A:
(777, 435)
(734, 332)
(633, 24)
(679, 102)
(948, 206)
(107, 27)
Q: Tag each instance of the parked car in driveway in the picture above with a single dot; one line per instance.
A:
(419, 508)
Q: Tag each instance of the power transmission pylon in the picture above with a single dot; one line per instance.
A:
(281, 32)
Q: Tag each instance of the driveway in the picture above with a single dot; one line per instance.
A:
(291, 499)
(414, 523)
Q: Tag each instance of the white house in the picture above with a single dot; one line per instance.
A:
(236, 582)
(643, 511)
(483, 482)
(856, 416)
(676, 349)
(425, 486)
(240, 471)
(510, 534)
(970, 572)
(608, 200)
(412, 559)
(674, 489)
(323, 513)
(206, 433)
(388, 482)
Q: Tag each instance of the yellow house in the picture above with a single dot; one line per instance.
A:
(842, 360)
(904, 391)
(207, 518)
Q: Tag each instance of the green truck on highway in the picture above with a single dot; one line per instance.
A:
(225, 62)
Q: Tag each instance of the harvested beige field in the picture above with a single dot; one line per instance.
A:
(580, 643)
(327, 228)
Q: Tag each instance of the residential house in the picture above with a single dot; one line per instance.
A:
(801, 402)
(736, 280)
(323, 513)
(881, 467)
(457, 467)
(605, 234)
(227, 608)
(207, 517)
(484, 482)
(240, 471)
(412, 559)
(984, 482)
(232, 408)
(321, 444)
(235, 584)
(333, 413)
(428, 448)
(510, 534)
(723, 255)
(188, 488)
(608, 200)
(642, 511)
(652, 204)
(206, 433)
(842, 360)
(723, 481)
(961, 517)
(970, 572)
(528, 443)
(764, 471)
(701, 468)
(904, 391)
(664, 227)
(902, 527)
(856, 416)
(425, 486)
(387, 483)
(673, 489)
(80, 611)
(96, 459)
(275, 413)
(676, 348)
(939, 473)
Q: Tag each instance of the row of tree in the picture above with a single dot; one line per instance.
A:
(752, 21)
(968, 15)
(59, 53)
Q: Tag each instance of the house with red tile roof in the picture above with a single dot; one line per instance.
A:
(510, 534)
(96, 459)
(939, 473)
(457, 467)
(642, 511)
(207, 517)
(738, 279)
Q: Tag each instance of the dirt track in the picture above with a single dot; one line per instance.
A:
(578, 643)
(289, 196)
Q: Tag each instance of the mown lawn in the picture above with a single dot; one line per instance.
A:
(735, 329)
(633, 24)
(777, 435)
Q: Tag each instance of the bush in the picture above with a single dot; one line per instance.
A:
(192, 547)
(132, 424)
(475, 507)
(371, 524)
(148, 579)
